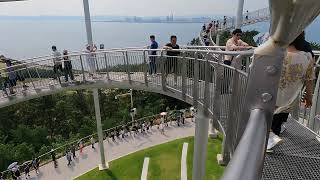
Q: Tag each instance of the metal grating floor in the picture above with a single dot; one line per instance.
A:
(297, 158)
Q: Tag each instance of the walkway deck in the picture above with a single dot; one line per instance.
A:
(297, 158)
(114, 150)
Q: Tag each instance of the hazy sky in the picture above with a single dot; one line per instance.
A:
(127, 7)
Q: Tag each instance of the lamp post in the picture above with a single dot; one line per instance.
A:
(133, 110)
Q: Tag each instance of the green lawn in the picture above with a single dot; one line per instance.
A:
(164, 163)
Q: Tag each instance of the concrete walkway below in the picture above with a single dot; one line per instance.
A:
(114, 150)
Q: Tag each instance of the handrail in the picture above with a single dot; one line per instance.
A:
(49, 58)
(248, 159)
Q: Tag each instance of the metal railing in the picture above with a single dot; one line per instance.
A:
(192, 76)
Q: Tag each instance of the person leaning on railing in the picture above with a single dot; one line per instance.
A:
(235, 44)
(297, 72)
(172, 60)
(67, 67)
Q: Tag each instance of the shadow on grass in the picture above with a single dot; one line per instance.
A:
(111, 175)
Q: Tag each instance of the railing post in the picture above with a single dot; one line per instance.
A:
(104, 164)
(231, 124)
(196, 80)
(163, 72)
(218, 39)
(107, 68)
(184, 76)
(34, 87)
(82, 69)
(145, 72)
(126, 63)
(315, 106)
(225, 155)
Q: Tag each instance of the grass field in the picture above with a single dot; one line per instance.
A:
(164, 163)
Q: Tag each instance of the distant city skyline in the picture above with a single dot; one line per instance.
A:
(126, 7)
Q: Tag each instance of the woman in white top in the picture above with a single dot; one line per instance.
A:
(297, 72)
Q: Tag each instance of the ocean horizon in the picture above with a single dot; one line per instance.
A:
(21, 39)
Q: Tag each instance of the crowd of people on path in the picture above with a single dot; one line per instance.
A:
(135, 128)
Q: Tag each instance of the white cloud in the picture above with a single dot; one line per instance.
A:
(126, 7)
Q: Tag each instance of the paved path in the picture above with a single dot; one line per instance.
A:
(90, 159)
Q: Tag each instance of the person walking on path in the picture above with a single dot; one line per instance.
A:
(12, 76)
(57, 62)
(162, 125)
(35, 165)
(27, 170)
(53, 156)
(224, 21)
(81, 146)
(183, 115)
(172, 60)
(92, 140)
(68, 156)
(247, 15)
(217, 25)
(297, 72)
(73, 151)
(67, 67)
(152, 57)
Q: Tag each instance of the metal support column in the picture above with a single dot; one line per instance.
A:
(104, 164)
(201, 134)
(239, 13)
(88, 21)
(200, 146)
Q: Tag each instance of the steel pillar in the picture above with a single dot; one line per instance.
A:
(87, 19)
(200, 146)
(103, 164)
(201, 134)
(239, 14)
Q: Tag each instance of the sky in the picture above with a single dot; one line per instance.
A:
(127, 7)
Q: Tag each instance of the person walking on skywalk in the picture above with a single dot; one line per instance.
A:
(57, 63)
(297, 72)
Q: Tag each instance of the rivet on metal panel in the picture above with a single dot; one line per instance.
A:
(266, 97)
(272, 70)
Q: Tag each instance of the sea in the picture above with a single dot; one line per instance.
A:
(21, 39)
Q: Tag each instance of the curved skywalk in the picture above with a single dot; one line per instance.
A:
(260, 15)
